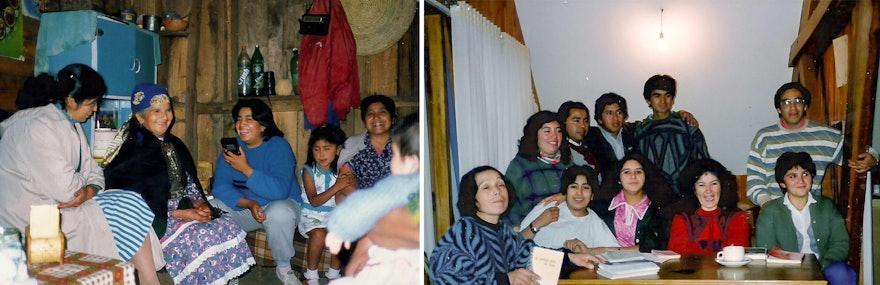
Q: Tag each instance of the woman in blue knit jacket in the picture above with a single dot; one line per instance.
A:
(481, 248)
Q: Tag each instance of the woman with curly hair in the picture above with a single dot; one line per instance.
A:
(710, 219)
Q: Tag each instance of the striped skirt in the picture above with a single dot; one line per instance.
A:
(129, 217)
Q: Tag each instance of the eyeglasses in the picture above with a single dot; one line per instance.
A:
(794, 101)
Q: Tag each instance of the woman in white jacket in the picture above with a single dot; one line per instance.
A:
(47, 160)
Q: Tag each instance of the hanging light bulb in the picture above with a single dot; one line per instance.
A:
(661, 43)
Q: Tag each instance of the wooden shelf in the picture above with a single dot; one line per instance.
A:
(180, 34)
(285, 104)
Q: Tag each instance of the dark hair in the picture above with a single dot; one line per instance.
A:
(787, 161)
(606, 99)
(528, 143)
(565, 110)
(571, 174)
(788, 86)
(78, 81)
(262, 113)
(656, 187)
(406, 135)
(659, 82)
(467, 191)
(692, 173)
(330, 133)
(384, 100)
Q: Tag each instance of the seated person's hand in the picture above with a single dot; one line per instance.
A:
(80, 196)
(523, 276)
(549, 216)
(863, 162)
(584, 260)
(193, 214)
(359, 257)
(575, 245)
(334, 243)
(348, 179)
(257, 212)
(238, 162)
(555, 198)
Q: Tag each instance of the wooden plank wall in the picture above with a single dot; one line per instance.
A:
(221, 28)
(813, 60)
(199, 66)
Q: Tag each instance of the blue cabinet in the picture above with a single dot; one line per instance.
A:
(123, 54)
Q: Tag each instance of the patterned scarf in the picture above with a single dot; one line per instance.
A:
(550, 159)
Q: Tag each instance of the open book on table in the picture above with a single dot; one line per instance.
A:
(614, 256)
(661, 256)
(777, 255)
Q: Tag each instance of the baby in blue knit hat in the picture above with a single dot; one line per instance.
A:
(385, 217)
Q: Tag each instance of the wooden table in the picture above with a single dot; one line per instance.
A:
(702, 269)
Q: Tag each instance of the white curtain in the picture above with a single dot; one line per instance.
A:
(493, 92)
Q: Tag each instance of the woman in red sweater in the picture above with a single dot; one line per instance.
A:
(710, 220)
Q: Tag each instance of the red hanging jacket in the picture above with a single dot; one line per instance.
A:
(328, 67)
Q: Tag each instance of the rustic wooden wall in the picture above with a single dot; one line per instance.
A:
(812, 56)
(199, 66)
(219, 29)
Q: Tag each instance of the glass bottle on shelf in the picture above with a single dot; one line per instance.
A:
(245, 81)
(294, 71)
(257, 69)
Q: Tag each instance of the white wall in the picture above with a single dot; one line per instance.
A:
(728, 57)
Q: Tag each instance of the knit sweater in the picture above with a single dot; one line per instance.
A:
(824, 145)
(532, 181)
(671, 144)
(708, 232)
(476, 252)
(363, 209)
(273, 177)
(827, 229)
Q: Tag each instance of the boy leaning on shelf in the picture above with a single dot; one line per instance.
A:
(803, 222)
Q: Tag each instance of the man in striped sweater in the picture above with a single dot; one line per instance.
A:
(794, 133)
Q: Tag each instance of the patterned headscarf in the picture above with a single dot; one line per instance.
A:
(146, 95)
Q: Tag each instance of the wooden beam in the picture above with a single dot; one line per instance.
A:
(863, 87)
(825, 21)
(436, 39)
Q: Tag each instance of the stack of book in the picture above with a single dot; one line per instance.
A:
(628, 269)
(777, 255)
(661, 256)
(614, 256)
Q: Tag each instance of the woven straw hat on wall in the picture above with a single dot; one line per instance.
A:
(378, 24)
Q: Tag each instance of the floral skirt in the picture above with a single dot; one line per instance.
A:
(205, 253)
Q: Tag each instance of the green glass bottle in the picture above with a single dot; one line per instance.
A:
(294, 71)
(257, 70)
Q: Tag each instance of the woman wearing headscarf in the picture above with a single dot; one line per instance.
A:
(47, 160)
(198, 248)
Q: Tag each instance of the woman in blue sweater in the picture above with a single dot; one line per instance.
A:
(257, 186)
